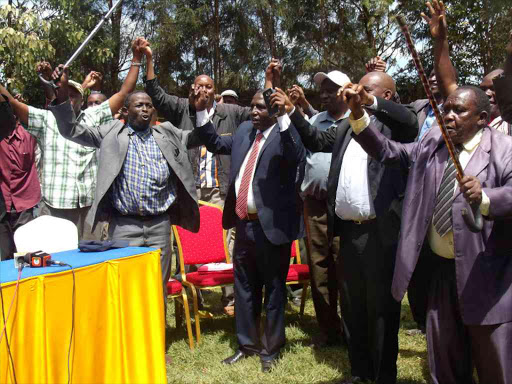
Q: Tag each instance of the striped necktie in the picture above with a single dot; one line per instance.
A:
(442, 219)
(243, 192)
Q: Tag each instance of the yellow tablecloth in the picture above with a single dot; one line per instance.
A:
(119, 325)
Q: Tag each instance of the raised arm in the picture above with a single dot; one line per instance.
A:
(170, 107)
(139, 46)
(401, 119)
(20, 109)
(206, 131)
(443, 67)
(65, 116)
(371, 140)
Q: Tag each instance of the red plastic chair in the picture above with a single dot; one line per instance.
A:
(206, 246)
(176, 292)
(298, 274)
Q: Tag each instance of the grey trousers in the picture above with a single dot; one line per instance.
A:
(152, 231)
(77, 216)
(454, 348)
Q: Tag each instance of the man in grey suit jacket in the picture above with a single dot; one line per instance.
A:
(469, 318)
(145, 179)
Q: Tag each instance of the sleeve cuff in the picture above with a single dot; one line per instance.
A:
(359, 125)
(485, 204)
(374, 106)
(201, 118)
(284, 121)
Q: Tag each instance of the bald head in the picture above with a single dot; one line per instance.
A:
(379, 84)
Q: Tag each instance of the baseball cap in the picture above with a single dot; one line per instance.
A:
(337, 77)
(229, 92)
(77, 86)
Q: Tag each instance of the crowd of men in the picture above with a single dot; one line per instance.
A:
(370, 179)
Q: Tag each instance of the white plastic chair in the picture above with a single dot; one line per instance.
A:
(48, 234)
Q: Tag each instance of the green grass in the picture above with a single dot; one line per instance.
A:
(299, 363)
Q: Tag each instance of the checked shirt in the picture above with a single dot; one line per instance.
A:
(144, 186)
(68, 170)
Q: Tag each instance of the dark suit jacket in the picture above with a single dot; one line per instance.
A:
(387, 185)
(226, 119)
(483, 261)
(275, 184)
(112, 139)
(421, 108)
(503, 89)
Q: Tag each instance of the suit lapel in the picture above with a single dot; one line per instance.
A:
(480, 159)
(272, 135)
(123, 141)
(441, 156)
(245, 145)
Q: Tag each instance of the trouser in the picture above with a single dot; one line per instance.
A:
(371, 316)
(146, 231)
(76, 216)
(258, 263)
(418, 289)
(453, 347)
(213, 195)
(10, 223)
(322, 268)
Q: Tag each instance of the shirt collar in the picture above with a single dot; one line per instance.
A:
(266, 132)
(474, 141)
(327, 117)
(15, 133)
(143, 135)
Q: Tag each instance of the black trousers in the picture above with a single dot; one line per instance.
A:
(258, 263)
(371, 317)
(455, 348)
(9, 224)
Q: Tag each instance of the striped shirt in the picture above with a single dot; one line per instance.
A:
(145, 185)
(207, 176)
(68, 170)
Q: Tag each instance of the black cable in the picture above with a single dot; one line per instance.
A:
(6, 335)
(72, 320)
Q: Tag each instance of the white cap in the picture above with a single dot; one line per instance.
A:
(229, 92)
(337, 77)
(77, 86)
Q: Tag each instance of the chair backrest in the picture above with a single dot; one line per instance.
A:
(48, 234)
(296, 251)
(209, 244)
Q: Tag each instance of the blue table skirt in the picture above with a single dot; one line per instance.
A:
(75, 258)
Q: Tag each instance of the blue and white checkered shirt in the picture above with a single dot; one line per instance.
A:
(145, 185)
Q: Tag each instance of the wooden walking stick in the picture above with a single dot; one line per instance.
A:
(475, 221)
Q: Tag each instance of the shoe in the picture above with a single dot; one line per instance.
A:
(238, 356)
(417, 331)
(229, 310)
(296, 301)
(322, 341)
(168, 359)
(268, 365)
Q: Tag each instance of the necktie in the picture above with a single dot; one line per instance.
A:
(243, 192)
(442, 219)
(202, 167)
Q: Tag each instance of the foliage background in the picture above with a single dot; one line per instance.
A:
(233, 40)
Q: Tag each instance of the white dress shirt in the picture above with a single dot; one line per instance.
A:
(353, 199)
(442, 246)
(283, 122)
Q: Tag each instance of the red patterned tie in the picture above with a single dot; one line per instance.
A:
(243, 192)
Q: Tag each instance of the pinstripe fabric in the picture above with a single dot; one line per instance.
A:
(68, 170)
(241, 199)
(144, 186)
(442, 219)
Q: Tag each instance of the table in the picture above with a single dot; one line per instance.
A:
(119, 321)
